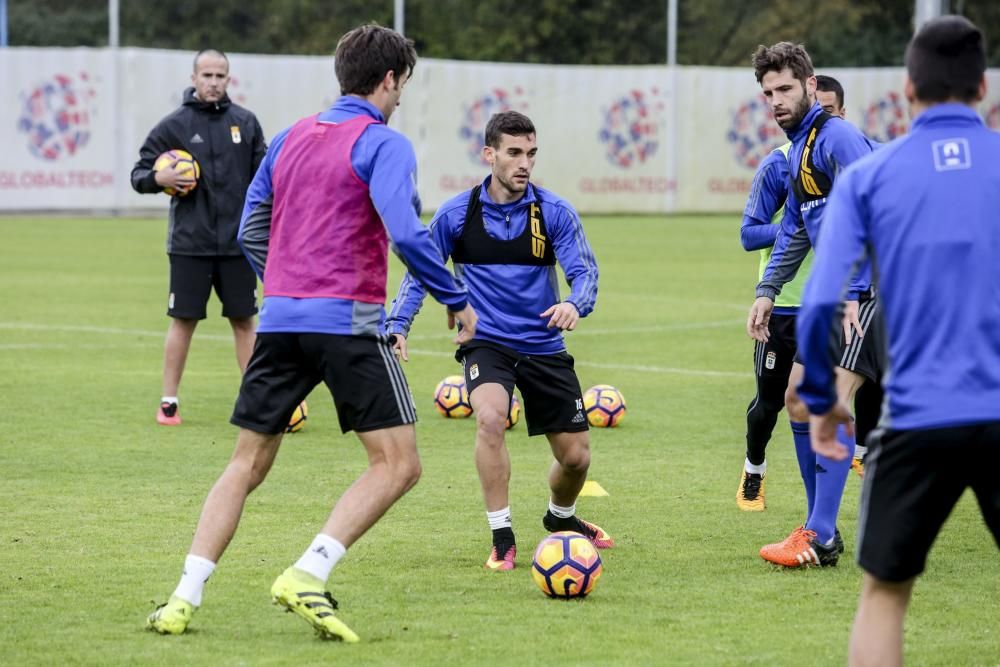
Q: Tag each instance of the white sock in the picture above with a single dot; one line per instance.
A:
(499, 519)
(755, 470)
(860, 451)
(197, 570)
(321, 556)
(562, 512)
(169, 399)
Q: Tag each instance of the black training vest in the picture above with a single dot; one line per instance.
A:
(533, 247)
(810, 183)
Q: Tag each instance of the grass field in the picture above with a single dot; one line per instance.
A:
(98, 503)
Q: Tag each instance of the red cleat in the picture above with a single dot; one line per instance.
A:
(168, 415)
(501, 562)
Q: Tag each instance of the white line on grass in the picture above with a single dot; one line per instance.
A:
(615, 367)
(641, 368)
(654, 328)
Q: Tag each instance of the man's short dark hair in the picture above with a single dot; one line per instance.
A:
(783, 55)
(512, 123)
(828, 84)
(366, 53)
(946, 60)
(210, 52)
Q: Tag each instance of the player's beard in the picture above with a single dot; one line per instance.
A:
(797, 114)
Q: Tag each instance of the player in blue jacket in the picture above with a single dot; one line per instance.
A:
(822, 145)
(505, 238)
(773, 360)
(924, 208)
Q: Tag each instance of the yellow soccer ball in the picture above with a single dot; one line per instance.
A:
(605, 406)
(451, 397)
(514, 415)
(566, 565)
(299, 417)
(186, 166)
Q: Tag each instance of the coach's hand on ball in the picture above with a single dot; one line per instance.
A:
(169, 177)
(563, 315)
(760, 315)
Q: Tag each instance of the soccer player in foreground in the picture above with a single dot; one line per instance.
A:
(925, 208)
(505, 237)
(822, 145)
(315, 228)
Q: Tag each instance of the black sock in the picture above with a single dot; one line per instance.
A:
(503, 537)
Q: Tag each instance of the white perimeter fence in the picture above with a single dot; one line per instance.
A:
(650, 139)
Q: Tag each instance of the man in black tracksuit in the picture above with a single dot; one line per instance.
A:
(228, 144)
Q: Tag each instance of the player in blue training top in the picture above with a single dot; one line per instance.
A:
(773, 360)
(925, 209)
(822, 145)
(332, 192)
(505, 238)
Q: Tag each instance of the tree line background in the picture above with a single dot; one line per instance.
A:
(847, 33)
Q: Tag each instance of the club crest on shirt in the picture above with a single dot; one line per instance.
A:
(234, 131)
(474, 372)
(770, 360)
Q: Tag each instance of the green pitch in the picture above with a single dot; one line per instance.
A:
(99, 503)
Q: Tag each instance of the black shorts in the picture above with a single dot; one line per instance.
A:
(553, 401)
(363, 375)
(912, 481)
(865, 355)
(772, 361)
(192, 279)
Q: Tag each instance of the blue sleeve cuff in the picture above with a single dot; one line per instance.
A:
(767, 291)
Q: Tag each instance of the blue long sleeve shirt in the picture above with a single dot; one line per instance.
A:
(837, 145)
(768, 193)
(762, 216)
(509, 298)
(925, 207)
(384, 160)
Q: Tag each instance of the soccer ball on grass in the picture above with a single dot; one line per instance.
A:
(566, 565)
(514, 415)
(299, 417)
(451, 397)
(605, 406)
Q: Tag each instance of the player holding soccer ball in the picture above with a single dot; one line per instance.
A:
(228, 144)
(505, 238)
